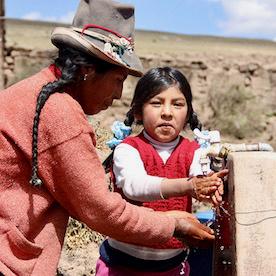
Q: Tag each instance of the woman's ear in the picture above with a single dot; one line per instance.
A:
(87, 72)
(91, 71)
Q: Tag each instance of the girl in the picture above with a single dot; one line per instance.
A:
(157, 169)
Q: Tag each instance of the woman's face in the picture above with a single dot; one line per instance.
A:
(164, 116)
(98, 91)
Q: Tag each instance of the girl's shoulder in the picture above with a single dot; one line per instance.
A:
(185, 142)
(136, 140)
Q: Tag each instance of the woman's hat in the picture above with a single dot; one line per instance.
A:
(102, 28)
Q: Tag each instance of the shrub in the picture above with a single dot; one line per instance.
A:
(235, 110)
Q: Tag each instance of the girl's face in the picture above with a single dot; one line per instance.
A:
(164, 115)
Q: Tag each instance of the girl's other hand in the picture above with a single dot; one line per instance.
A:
(216, 197)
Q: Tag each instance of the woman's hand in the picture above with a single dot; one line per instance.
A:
(180, 214)
(208, 188)
(191, 232)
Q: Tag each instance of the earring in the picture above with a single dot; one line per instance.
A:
(85, 77)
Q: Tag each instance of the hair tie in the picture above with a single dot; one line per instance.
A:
(202, 138)
(120, 132)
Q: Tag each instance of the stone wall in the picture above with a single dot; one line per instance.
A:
(236, 96)
(20, 63)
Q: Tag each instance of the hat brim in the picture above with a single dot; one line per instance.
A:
(68, 37)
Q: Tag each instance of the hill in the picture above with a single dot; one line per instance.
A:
(35, 35)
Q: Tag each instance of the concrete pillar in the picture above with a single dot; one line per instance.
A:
(249, 233)
(2, 43)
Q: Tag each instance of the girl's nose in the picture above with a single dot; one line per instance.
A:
(166, 111)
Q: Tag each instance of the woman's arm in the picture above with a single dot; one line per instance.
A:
(73, 174)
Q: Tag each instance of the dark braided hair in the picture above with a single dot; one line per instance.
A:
(151, 84)
(194, 122)
(69, 61)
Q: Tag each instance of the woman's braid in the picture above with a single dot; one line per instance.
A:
(68, 76)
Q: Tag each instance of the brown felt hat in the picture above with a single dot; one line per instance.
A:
(102, 28)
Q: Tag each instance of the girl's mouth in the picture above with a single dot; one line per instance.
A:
(165, 125)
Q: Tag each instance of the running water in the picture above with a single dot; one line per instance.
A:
(224, 240)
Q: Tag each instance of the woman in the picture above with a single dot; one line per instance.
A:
(45, 136)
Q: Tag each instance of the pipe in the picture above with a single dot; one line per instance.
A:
(212, 149)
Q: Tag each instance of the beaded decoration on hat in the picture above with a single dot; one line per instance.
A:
(105, 29)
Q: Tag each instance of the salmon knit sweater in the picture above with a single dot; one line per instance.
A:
(33, 220)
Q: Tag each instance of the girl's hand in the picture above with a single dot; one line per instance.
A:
(216, 198)
(209, 188)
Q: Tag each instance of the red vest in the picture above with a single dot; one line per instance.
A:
(177, 166)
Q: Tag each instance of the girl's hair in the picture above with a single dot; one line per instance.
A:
(151, 84)
(154, 82)
(69, 61)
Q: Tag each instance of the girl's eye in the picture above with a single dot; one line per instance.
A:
(179, 104)
(155, 103)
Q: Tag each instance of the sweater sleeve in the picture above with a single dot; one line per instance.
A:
(132, 177)
(74, 176)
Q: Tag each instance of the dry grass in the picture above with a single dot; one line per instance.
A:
(78, 235)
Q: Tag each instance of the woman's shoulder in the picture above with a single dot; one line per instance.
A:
(62, 119)
(63, 106)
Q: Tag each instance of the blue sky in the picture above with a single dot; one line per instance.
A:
(234, 18)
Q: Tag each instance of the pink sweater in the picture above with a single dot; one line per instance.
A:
(33, 220)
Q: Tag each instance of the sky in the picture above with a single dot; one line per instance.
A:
(230, 18)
